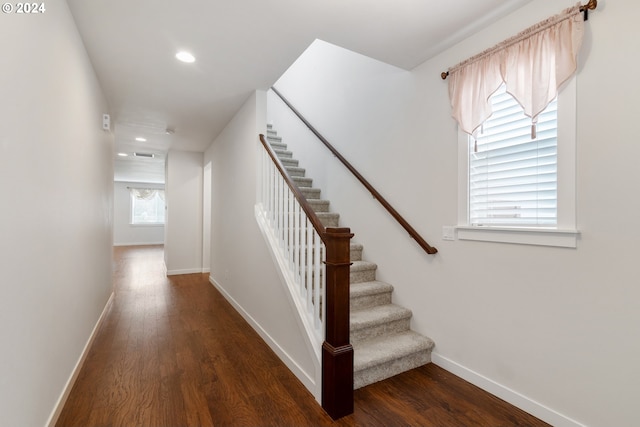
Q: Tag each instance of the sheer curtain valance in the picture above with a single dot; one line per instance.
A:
(147, 193)
(532, 65)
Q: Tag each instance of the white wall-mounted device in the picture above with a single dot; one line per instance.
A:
(106, 122)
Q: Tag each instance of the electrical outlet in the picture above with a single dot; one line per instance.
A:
(448, 232)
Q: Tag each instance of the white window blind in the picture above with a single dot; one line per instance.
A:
(512, 177)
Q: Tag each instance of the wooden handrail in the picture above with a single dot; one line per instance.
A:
(376, 195)
(306, 207)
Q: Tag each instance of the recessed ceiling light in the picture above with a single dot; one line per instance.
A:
(141, 139)
(185, 57)
(122, 154)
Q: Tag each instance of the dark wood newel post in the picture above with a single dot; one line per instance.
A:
(337, 352)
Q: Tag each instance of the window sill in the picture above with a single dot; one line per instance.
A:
(522, 236)
(147, 225)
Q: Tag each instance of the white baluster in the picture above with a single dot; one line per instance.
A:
(309, 275)
(298, 241)
(296, 237)
(272, 191)
(303, 254)
(316, 278)
(323, 309)
(291, 227)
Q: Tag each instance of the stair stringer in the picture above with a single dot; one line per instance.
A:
(313, 337)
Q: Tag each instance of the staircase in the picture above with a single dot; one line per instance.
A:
(383, 344)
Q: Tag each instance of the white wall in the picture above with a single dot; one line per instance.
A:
(56, 188)
(206, 219)
(241, 265)
(553, 330)
(124, 233)
(183, 221)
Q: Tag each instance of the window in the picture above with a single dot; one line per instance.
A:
(512, 176)
(515, 188)
(147, 206)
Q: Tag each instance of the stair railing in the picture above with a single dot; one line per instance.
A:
(376, 195)
(318, 259)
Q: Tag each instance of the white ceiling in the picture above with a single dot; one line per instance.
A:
(240, 46)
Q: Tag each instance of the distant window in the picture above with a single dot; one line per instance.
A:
(147, 206)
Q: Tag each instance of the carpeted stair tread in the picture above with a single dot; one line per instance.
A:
(363, 265)
(275, 140)
(369, 288)
(310, 193)
(362, 271)
(283, 154)
(277, 145)
(386, 348)
(329, 219)
(373, 316)
(319, 205)
(289, 162)
(369, 294)
(381, 358)
(302, 181)
(355, 252)
(295, 171)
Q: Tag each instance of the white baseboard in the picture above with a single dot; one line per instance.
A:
(53, 418)
(184, 271)
(293, 366)
(518, 400)
(139, 244)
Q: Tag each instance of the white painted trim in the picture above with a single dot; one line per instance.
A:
(139, 244)
(524, 236)
(206, 270)
(184, 271)
(304, 318)
(305, 379)
(313, 339)
(53, 418)
(521, 401)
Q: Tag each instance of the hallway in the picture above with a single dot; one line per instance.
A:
(172, 352)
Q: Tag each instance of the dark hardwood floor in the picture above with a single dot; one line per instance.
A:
(172, 352)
